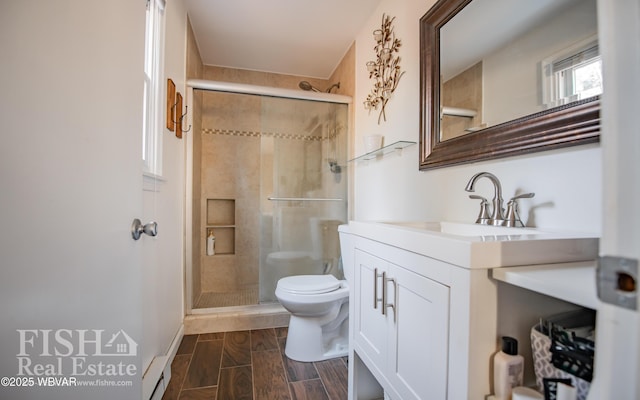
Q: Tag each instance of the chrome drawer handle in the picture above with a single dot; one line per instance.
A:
(375, 289)
(385, 296)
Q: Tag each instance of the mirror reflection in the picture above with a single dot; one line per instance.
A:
(504, 59)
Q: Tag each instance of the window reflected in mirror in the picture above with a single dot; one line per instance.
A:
(572, 75)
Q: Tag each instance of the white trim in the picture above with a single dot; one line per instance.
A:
(267, 91)
(617, 359)
(151, 182)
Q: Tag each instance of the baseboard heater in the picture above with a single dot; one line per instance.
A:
(157, 376)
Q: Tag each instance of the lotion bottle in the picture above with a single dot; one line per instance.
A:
(508, 368)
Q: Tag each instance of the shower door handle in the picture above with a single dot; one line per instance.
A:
(137, 229)
(303, 199)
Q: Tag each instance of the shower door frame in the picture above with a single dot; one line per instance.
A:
(239, 88)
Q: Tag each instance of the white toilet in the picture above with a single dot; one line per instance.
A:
(319, 304)
(319, 325)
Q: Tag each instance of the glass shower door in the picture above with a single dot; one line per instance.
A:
(303, 189)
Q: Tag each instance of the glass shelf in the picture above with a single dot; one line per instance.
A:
(399, 145)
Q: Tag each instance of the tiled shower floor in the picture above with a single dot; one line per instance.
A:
(239, 298)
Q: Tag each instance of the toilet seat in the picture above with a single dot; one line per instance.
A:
(309, 284)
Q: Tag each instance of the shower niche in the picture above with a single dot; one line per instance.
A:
(221, 223)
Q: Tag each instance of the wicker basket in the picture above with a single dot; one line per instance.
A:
(544, 368)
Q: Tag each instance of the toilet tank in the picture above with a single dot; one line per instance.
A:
(326, 244)
(347, 251)
(324, 238)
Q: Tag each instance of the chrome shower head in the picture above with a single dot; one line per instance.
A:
(304, 85)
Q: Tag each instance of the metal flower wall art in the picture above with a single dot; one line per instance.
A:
(385, 71)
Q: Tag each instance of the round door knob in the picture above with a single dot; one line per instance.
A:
(137, 229)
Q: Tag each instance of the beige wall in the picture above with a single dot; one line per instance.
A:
(224, 74)
(462, 91)
(345, 73)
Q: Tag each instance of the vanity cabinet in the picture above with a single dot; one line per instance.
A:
(402, 327)
(438, 331)
(443, 311)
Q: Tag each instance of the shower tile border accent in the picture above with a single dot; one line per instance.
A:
(230, 132)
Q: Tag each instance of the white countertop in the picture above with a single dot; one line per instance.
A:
(471, 245)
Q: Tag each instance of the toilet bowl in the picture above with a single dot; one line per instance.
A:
(319, 307)
(311, 249)
(285, 263)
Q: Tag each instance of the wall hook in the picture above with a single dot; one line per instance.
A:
(186, 110)
(178, 106)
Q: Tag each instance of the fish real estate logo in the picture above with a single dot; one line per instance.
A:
(76, 353)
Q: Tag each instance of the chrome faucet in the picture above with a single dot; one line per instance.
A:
(496, 217)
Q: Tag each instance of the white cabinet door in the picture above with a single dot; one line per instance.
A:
(418, 345)
(371, 329)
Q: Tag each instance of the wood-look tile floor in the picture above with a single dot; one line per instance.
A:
(251, 365)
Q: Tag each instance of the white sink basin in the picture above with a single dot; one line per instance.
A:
(480, 246)
(462, 229)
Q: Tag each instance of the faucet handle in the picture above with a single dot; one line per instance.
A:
(512, 218)
(523, 196)
(483, 217)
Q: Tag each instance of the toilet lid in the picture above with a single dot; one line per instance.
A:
(309, 284)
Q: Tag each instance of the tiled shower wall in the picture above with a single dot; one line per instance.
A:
(230, 169)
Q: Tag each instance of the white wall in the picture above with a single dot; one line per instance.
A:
(567, 183)
(163, 308)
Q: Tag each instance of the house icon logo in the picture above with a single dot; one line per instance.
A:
(120, 344)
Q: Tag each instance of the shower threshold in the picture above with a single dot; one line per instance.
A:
(236, 318)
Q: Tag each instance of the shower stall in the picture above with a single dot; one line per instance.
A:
(268, 185)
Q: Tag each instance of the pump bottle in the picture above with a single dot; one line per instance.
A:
(211, 244)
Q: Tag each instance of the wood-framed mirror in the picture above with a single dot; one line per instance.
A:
(552, 116)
